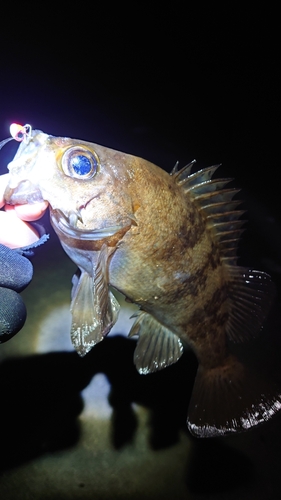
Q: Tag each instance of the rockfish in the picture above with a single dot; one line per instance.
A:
(168, 243)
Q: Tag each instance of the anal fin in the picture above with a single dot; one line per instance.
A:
(157, 346)
(94, 308)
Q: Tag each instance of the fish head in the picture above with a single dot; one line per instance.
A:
(86, 185)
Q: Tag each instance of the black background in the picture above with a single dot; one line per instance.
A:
(167, 84)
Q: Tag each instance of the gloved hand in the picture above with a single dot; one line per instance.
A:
(16, 270)
(15, 274)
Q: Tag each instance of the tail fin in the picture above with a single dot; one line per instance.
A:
(230, 398)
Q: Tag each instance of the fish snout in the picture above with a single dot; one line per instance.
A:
(24, 192)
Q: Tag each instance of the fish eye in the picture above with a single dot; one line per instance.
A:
(79, 162)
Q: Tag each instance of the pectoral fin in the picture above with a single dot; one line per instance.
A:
(94, 308)
(157, 346)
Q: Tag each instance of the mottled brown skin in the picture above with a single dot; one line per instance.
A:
(168, 263)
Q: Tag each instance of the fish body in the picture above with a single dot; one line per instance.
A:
(168, 243)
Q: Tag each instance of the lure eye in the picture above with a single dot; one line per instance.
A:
(80, 163)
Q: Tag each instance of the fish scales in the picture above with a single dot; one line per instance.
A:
(168, 243)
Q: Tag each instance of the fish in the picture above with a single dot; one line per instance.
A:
(167, 242)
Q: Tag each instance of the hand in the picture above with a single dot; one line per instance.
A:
(15, 270)
(14, 230)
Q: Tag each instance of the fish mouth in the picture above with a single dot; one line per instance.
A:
(67, 225)
(64, 225)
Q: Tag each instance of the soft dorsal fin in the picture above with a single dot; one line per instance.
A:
(215, 201)
(250, 295)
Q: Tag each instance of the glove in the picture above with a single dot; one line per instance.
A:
(16, 272)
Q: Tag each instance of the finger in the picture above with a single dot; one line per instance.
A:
(14, 232)
(3, 184)
(28, 212)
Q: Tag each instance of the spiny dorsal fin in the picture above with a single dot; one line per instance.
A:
(184, 172)
(175, 168)
(184, 176)
(250, 297)
(215, 202)
(157, 346)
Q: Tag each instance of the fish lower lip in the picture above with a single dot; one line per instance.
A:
(24, 193)
(68, 226)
